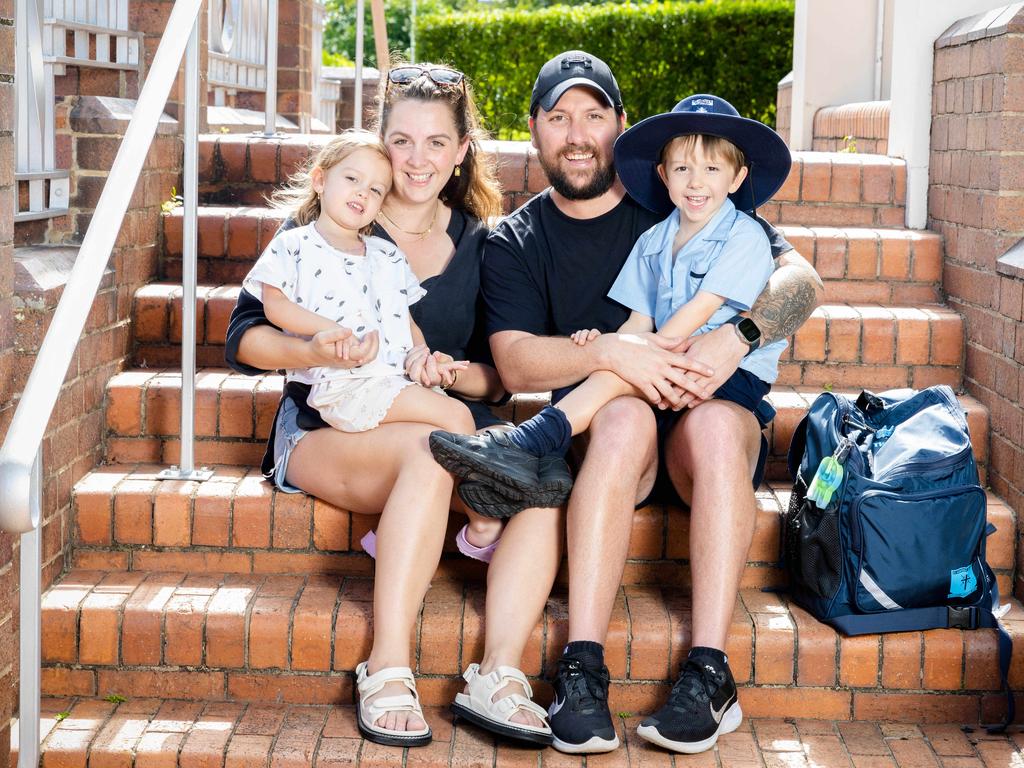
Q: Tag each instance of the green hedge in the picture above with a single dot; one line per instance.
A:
(659, 52)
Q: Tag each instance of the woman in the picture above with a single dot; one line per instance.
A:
(442, 193)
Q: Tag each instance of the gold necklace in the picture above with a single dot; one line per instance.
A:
(407, 233)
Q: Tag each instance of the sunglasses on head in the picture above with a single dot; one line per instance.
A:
(439, 75)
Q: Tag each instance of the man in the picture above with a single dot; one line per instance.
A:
(546, 273)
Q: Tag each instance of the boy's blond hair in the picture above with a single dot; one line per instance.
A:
(715, 146)
(299, 198)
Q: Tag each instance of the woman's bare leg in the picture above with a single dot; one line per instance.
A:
(388, 468)
(519, 581)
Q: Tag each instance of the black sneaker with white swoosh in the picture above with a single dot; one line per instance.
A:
(701, 707)
(579, 715)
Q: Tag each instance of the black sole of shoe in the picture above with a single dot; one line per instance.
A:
(500, 729)
(463, 464)
(392, 741)
(486, 501)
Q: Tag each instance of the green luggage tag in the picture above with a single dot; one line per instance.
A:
(829, 476)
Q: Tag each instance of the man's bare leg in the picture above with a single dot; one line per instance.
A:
(620, 463)
(710, 455)
(621, 456)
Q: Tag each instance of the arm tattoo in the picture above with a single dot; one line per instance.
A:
(786, 302)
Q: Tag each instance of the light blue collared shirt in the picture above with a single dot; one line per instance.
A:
(730, 256)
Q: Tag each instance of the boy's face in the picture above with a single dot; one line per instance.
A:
(698, 183)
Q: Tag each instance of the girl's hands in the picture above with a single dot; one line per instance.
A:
(432, 369)
(582, 337)
(340, 348)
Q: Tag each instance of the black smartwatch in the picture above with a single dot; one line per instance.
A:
(747, 330)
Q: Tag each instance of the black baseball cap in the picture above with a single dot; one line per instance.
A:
(570, 69)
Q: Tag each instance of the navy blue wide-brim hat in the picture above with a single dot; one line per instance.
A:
(638, 151)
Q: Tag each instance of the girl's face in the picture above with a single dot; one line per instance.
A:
(352, 190)
(424, 145)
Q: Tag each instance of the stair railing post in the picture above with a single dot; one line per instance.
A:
(30, 589)
(357, 91)
(270, 127)
(186, 470)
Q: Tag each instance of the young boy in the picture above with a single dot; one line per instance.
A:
(694, 271)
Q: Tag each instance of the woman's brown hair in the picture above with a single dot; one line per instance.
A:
(475, 190)
(299, 198)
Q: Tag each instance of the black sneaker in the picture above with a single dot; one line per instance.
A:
(579, 716)
(701, 707)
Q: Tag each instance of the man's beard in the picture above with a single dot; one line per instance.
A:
(600, 181)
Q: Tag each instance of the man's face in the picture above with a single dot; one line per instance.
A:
(574, 143)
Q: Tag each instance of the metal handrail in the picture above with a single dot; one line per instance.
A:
(25, 435)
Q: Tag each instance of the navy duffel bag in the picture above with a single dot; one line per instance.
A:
(886, 526)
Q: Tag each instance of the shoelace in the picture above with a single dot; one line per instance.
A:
(583, 684)
(696, 685)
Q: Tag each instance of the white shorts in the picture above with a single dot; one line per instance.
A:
(356, 405)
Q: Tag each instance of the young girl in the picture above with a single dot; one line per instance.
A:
(328, 272)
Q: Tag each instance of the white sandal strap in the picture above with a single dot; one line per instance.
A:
(482, 689)
(372, 711)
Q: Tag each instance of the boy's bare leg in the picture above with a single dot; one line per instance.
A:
(711, 455)
(582, 404)
(619, 469)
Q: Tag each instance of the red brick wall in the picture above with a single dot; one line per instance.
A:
(976, 202)
(8, 572)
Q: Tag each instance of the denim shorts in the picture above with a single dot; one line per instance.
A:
(287, 434)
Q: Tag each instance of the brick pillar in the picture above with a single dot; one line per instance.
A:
(976, 200)
(295, 61)
(8, 571)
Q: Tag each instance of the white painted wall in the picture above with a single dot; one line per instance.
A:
(916, 26)
(834, 52)
(833, 59)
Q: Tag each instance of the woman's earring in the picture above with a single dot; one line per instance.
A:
(458, 170)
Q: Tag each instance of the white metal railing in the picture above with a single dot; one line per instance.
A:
(243, 51)
(21, 452)
(326, 89)
(329, 99)
(99, 38)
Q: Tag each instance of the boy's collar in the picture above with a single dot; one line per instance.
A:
(716, 230)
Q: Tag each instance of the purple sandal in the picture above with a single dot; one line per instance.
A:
(483, 554)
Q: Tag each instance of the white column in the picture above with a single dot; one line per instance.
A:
(833, 52)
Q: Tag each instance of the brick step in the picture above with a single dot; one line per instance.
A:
(234, 415)
(297, 639)
(859, 126)
(840, 345)
(126, 519)
(170, 733)
(829, 188)
(890, 266)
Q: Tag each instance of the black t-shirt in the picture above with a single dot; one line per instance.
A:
(548, 274)
(450, 316)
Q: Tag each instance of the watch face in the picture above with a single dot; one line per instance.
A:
(748, 330)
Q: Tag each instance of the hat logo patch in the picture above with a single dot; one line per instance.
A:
(705, 102)
(702, 109)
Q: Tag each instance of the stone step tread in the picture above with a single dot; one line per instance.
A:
(125, 518)
(243, 231)
(823, 187)
(131, 633)
(841, 344)
(178, 734)
(233, 406)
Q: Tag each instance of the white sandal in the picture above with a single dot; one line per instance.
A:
(479, 707)
(370, 712)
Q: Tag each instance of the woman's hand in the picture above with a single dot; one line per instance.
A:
(447, 368)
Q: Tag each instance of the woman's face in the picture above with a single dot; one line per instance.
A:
(425, 148)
